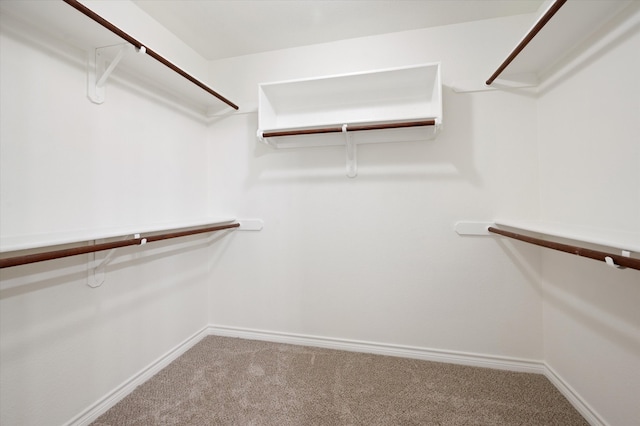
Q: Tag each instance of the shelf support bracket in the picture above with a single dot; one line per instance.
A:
(352, 162)
(96, 272)
(100, 69)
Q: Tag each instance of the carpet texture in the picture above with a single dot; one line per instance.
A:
(228, 381)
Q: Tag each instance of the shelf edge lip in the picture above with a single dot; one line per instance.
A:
(350, 74)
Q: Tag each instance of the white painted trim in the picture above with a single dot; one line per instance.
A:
(98, 408)
(574, 398)
(453, 357)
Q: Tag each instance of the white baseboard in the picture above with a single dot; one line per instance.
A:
(112, 398)
(463, 358)
(574, 398)
(453, 357)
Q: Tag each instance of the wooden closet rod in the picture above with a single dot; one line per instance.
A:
(350, 128)
(530, 35)
(57, 254)
(391, 125)
(108, 25)
(619, 260)
(302, 132)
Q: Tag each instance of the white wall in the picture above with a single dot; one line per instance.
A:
(68, 164)
(589, 122)
(375, 258)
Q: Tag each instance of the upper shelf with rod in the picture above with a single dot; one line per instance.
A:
(561, 26)
(110, 48)
(398, 98)
(389, 105)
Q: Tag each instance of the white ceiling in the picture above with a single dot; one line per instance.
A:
(224, 28)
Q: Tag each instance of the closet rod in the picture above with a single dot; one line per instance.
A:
(528, 37)
(350, 128)
(108, 25)
(302, 132)
(619, 260)
(391, 125)
(57, 254)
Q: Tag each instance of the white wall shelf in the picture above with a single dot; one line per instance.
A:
(391, 105)
(561, 26)
(35, 241)
(142, 65)
(628, 241)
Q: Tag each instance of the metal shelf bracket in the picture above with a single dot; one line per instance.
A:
(352, 162)
(100, 68)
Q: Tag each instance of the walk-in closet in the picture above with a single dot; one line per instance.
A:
(365, 212)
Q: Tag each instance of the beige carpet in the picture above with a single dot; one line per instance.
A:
(227, 381)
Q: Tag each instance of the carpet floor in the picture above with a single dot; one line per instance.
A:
(229, 381)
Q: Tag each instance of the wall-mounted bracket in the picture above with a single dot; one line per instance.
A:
(473, 228)
(96, 272)
(352, 162)
(609, 260)
(250, 224)
(101, 66)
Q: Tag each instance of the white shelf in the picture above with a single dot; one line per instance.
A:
(570, 26)
(629, 241)
(407, 94)
(391, 105)
(60, 21)
(25, 242)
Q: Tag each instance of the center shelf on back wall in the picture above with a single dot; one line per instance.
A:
(390, 105)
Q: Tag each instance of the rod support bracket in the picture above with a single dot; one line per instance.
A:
(352, 161)
(96, 271)
(609, 261)
(96, 263)
(100, 68)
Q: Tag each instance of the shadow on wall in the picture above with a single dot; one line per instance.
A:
(521, 255)
(450, 156)
(69, 307)
(20, 280)
(596, 296)
(621, 28)
(601, 298)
